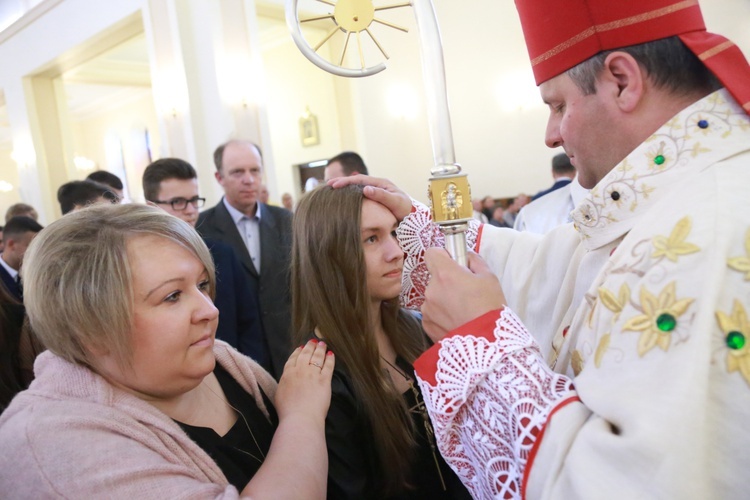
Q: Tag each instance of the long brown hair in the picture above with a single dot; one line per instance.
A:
(329, 291)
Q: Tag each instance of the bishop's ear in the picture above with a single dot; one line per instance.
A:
(626, 79)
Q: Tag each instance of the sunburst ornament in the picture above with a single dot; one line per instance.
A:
(354, 17)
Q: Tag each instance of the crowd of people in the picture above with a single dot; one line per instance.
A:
(595, 347)
(540, 213)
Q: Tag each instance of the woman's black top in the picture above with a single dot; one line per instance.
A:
(236, 453)
(354, 470)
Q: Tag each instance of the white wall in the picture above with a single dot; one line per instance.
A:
(36, 47)
(293, 84)
(9, 174)
(501, 149)
(100, 139)
(500, 146)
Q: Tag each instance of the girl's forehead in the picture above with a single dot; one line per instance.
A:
(376, 215)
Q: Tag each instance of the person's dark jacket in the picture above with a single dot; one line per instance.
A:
(272, 286)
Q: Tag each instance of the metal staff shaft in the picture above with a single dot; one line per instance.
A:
(449, 190)
(450, 193)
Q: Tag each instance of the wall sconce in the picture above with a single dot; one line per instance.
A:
(241, 78)
(402, 101)
(23, 154)
(84, 164)
(5, 187)
(170, 92)
(516, 91)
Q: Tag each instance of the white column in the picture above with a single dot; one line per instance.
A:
(28, 149)
(207, 81)
(241, 77)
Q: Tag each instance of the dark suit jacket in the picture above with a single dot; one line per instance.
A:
(239, 316)
(272, 285)
(11, 285)
(557, 185)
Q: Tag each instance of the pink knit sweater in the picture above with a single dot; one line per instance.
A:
(73, 435)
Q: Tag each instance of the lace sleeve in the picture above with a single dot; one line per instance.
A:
(489, 392)
(416, 233)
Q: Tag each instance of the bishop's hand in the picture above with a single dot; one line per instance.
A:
(456, 295)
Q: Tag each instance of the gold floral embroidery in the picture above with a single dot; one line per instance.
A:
(736, 329)
(656, 311)
(675, 245)
(696, 128)
(615, 304)
(577, 362)
(660, 151)
(601, 349)
(742, 264)
(674, 124)
(698, 149)
(677, 144)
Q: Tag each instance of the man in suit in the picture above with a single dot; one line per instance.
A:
(345, 164)
(18, 233)
(260, 234)
(562, 171)
(172, 184)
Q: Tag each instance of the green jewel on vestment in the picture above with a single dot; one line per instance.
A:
(735, 340)
(666, 322)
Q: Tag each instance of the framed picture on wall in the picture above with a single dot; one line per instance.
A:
(308, 129)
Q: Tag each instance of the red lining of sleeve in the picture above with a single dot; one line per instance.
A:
(483, 326)
(535, 448)
(479, 238)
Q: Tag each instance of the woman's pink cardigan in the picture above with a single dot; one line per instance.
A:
(73, 435)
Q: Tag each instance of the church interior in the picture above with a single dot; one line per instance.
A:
(87, 85)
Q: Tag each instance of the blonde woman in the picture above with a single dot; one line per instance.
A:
(134, 397)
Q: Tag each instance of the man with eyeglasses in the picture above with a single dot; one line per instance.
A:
(172, 184)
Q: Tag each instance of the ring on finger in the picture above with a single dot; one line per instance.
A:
(315, 364)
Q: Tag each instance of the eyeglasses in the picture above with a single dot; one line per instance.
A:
(111, 197)
(182, 203)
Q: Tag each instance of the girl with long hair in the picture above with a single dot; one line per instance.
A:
(346, 279)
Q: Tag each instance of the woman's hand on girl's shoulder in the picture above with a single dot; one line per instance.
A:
(305, 385)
